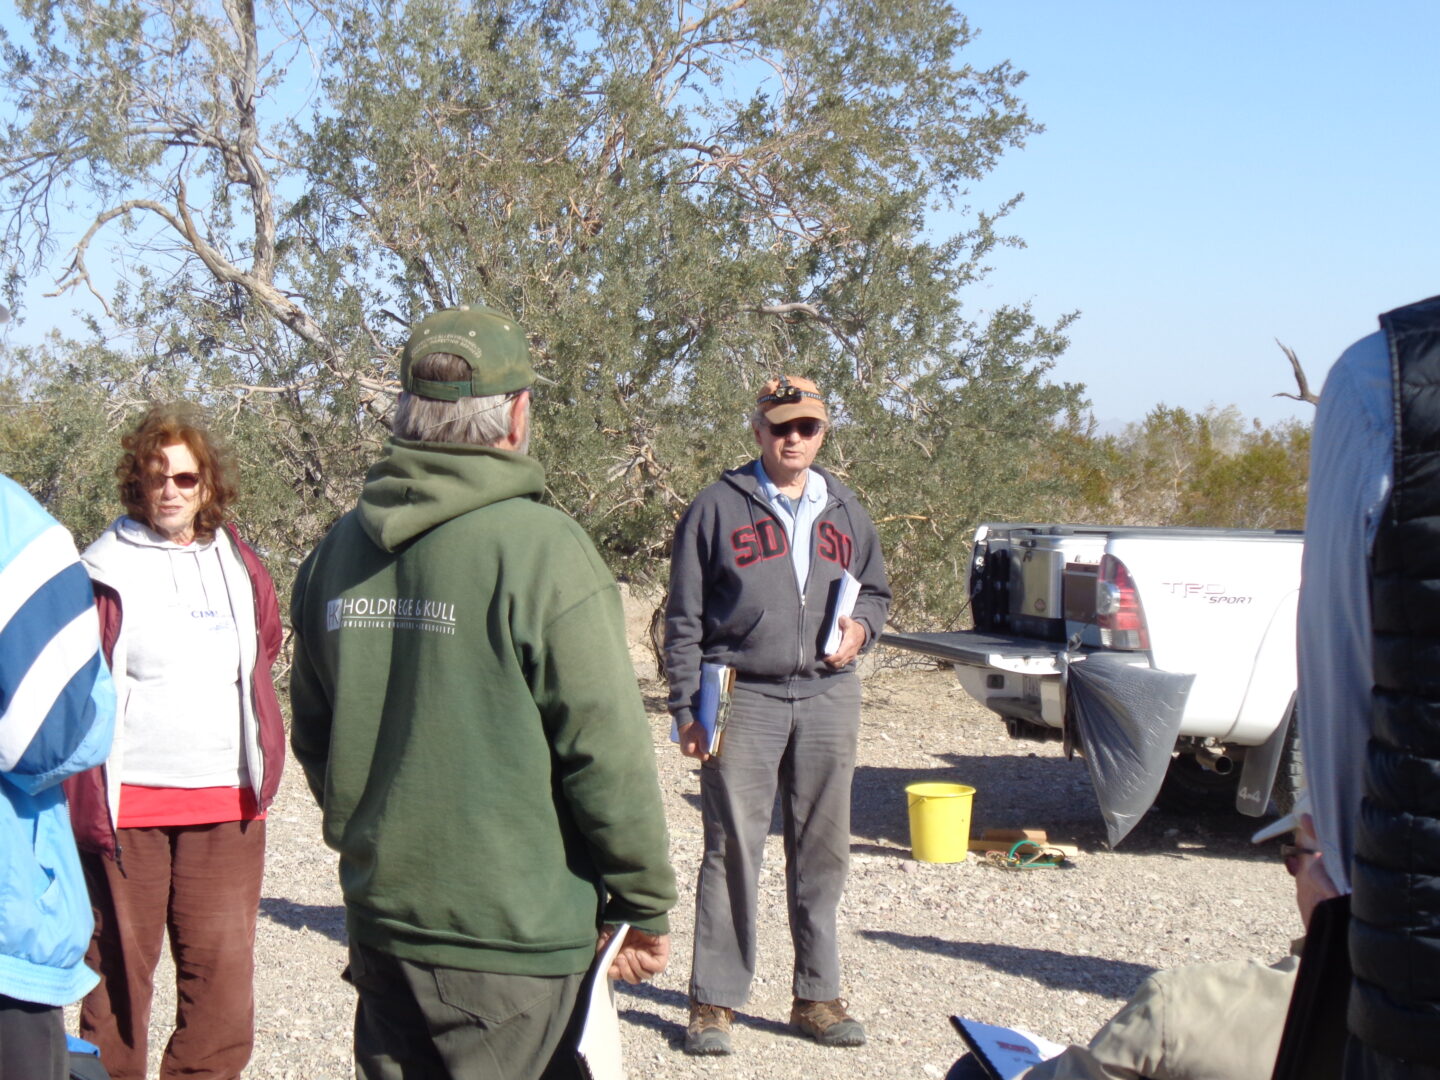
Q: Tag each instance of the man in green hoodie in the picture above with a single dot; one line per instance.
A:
(467, 716)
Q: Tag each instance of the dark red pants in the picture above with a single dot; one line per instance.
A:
(202, 884)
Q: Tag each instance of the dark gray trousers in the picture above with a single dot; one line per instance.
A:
(1364, 1063)
(32, 1041)
(805, 750)
(419, 1022)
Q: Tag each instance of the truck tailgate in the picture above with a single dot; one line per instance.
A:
(1006, 652)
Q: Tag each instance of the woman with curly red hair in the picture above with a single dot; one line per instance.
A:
(171, 829)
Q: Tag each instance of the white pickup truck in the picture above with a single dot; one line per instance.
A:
(1164, 656)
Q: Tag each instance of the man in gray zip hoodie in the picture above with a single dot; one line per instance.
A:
(755, 571)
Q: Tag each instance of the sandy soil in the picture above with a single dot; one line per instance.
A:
(1054, 951)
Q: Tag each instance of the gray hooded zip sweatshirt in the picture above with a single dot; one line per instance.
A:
(734, 599)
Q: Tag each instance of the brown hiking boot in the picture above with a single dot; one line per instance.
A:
(827, 1022)
(709, 1029)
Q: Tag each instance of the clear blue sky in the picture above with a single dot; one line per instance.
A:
(1213, 177)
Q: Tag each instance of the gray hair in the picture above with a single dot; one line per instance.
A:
(469, 421)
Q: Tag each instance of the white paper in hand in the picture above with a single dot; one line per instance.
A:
(847, 588)
(598, 1048)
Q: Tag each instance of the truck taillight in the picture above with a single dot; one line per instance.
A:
(1117, 608)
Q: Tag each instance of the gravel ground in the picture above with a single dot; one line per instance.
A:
(1054, 951)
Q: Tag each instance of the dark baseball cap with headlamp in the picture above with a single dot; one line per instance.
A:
(489, 340)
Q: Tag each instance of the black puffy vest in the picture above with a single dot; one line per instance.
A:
(1395, 906)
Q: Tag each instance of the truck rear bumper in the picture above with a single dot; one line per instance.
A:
(1126, 715)
(1016, 677)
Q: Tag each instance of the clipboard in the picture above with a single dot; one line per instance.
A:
(1003, 1053)
(713, 710)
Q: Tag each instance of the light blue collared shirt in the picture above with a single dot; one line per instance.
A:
(798, 516)
(1351, 469)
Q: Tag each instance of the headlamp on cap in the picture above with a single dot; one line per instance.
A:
(787, 393)
(789, 398)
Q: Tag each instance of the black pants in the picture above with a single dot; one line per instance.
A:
(1365, 1063)
(32, 1041)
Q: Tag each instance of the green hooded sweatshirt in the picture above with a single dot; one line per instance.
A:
(466, 714)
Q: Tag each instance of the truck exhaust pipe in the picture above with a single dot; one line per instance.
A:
(1216, 761)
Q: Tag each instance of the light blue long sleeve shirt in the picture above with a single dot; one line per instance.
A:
(1351, 468)
(797, 516)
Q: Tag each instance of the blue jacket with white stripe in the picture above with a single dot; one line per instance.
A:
(57, 716)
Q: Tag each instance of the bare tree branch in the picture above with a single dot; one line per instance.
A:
(1303, 384)
(786, 309)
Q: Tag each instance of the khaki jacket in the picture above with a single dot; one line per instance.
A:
(1208, 1022)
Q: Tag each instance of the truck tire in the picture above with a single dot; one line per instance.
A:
(1191, 789)
(1290, 773)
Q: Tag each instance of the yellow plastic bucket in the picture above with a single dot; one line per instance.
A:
(939, 821)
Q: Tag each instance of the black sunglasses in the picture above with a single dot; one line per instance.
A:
(185, 481)
(808, 429)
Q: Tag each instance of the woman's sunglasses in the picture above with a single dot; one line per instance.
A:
(808, 429)
(185, 481)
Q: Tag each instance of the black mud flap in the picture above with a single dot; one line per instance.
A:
(1127, 718)
(1257, 777)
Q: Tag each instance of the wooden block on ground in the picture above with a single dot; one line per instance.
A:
(1038, 835)
(1005, 839)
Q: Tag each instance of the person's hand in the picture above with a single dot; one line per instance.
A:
(642, 955)
(852, 640)
(1312, 883)
(693, 741)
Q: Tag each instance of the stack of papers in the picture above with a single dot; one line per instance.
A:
(847, 589)
(598, 1048)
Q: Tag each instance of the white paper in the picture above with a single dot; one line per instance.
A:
(844, 605)
(1004, 1052)
(599, 1045)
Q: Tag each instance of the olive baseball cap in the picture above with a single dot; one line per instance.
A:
(789, 397)
(490, 341)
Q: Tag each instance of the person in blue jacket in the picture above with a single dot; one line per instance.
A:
(57, 715)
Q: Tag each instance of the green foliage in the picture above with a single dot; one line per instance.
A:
(143, 121)
(62, 442)
(677, 208)
(676, 200)
(1205, 469)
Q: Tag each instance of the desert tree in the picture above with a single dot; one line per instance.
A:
(676, 199)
